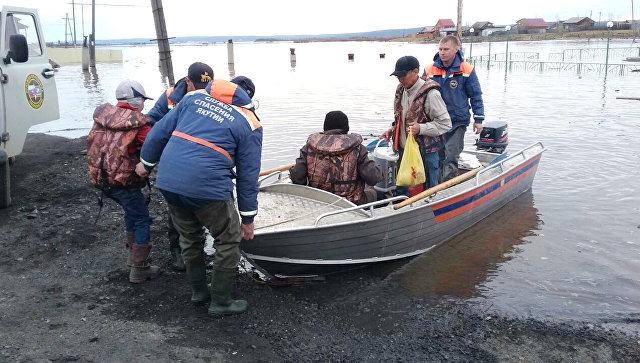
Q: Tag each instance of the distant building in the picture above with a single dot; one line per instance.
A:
(480, 26)
(531, 26)
(444, 27)
(578, 23)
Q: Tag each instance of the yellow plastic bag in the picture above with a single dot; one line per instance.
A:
(411, 171)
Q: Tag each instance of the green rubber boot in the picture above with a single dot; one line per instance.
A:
(221, 302)
(197, 274)
(177, 263)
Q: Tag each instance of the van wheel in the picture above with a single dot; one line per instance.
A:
(5, 194)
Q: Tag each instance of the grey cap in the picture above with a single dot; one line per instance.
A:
(130, 89)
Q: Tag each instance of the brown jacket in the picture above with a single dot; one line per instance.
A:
(338, 163)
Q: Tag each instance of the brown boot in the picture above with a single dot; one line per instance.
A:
(141, 268)
(130, 242)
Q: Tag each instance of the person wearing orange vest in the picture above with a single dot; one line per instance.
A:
(461, 91)
(336, 161)
(198, 76)
(212, 137)
(420, 110)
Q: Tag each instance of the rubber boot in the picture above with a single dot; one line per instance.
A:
(177, 263)
(197, 274)
(141, 268)
(130, 242)
(221, 302)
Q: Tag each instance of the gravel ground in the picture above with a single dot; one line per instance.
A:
(65, 297)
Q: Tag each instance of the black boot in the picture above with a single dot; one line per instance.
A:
(197, 274)
(221, 302)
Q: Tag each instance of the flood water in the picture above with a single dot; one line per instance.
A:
(569, 249)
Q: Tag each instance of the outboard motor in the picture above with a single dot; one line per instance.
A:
(494, 137)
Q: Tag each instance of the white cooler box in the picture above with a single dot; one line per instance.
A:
(387, 161)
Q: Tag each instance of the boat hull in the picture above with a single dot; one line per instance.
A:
(407, 232)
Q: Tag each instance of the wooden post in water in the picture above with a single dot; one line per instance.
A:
(230, 59)
(166, 66)
(292, 56)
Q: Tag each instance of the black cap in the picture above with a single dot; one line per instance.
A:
(404, 65)
(336, 120)
(246, 83)
(200, 74)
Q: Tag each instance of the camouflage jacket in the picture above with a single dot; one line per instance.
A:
(109, 146)
(336, 162)
(416, 112)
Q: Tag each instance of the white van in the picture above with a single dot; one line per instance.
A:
(28, 94)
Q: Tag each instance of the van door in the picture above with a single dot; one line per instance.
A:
(28, 90)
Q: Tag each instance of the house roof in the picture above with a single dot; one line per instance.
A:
(576, 20)
(532, 23)
(478, 25)
(445, 23)
(427, 29)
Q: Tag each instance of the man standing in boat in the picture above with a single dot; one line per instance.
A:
(460, 87)
(336, 161)
(418, 108)
(198, 144)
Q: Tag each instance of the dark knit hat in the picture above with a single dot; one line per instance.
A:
(246, 83)
(336, 120)
(200, 74)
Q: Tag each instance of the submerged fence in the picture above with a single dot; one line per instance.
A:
(528, 61)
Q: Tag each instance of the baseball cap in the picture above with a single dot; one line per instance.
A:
(404, 65)
(130, 89)
(246, 83)
(200, 74)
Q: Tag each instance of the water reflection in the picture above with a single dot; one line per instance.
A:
(460, 265)
(91, 79)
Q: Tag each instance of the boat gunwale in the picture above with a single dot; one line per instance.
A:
(412, 207)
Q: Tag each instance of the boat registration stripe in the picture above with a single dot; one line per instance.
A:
(473, 199)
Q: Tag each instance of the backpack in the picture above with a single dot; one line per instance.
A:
(110, 139)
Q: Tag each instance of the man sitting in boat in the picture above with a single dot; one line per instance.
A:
(336, 161)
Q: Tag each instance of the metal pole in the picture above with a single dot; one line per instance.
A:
(606, 62)
(92, 37)
(166, 66)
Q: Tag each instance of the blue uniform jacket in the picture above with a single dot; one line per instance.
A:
(459, 84)
(161, 107)
(184, 143)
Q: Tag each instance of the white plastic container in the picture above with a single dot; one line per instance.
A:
(387, 161)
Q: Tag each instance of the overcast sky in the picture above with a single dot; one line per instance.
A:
(288, 17)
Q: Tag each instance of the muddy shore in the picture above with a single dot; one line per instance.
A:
(65, 297)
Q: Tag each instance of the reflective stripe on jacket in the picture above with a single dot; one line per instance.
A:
(460, 89)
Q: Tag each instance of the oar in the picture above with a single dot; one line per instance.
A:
(280, 168)
(449, 183)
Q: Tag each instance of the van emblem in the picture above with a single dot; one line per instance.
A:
(34, 90)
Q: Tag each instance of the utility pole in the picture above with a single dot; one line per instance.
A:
(73, 14)
(459, 20)
(92, 36)
(166, 66)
